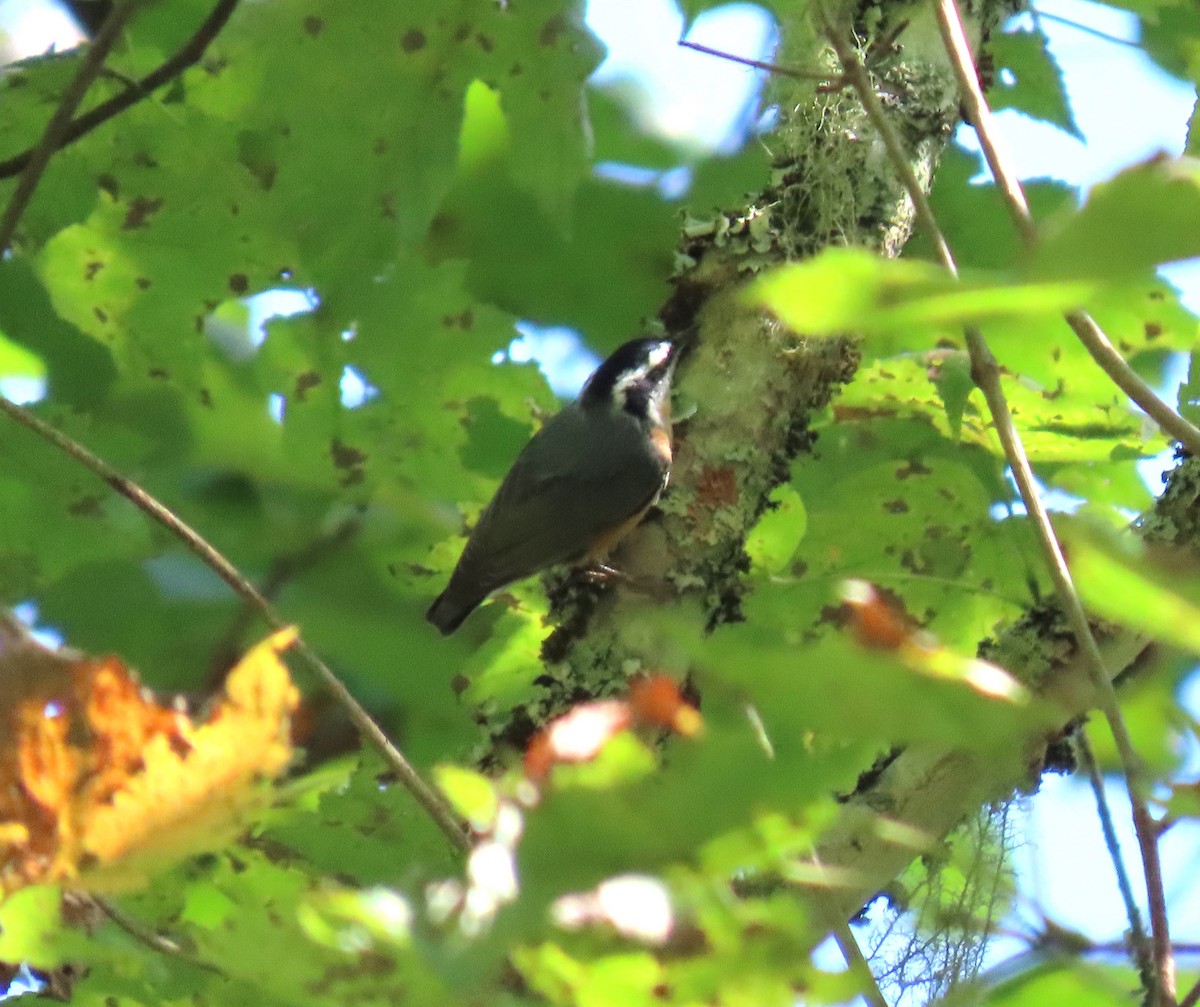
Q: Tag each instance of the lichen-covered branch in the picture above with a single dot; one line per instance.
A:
(748, 386)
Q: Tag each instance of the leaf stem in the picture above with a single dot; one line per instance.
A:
(429, 799)
(187, 55)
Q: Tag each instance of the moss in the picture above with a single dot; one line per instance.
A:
(756, 385)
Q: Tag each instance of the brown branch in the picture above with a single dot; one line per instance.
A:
(1084, 326)
(154, 941)
(283, 569)
(1087, 29)
(426, 796)
(986, 374)
(188, 55)
(857, 963)
(1192, 997)
(60, 122)
(757, 64)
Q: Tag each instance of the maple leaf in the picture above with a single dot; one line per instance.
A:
(99, 783)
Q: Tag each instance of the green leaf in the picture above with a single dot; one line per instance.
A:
(973, 217)
(904, 302)
(31, 927)
(1037, 86)
(954, 384)
(773, 541)
(1171, 35)
(1130, 584)
(910, 515)
(471, 794)
(1047, 980)
(1189, 392)
(1145, 216)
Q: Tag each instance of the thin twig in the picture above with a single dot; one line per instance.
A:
(1130, 382)
(1009, 186)
(986, 374)
(426, 796)
(1137, 931)
(154, 941)
(755, 63)
(1192, 997)
(1038, 14)
(188, 55)
(858, 965)
(282, 570)
(60, 122)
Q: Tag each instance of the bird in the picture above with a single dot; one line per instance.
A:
(581, 484)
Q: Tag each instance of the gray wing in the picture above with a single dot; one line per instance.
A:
(577, 478)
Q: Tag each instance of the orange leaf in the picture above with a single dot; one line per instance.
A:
(98, 782)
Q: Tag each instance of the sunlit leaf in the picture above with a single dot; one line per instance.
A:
(1145, 216)
(1157, 593)
(851, 290)
(101, 783)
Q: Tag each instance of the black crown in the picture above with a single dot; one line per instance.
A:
(630, 358)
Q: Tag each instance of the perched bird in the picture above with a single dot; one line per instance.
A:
(580, 485)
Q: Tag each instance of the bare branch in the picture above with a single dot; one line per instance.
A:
(858, 965)
(1009, 186)
(60, 122)
(1137, 931)
(188, 55)
(1192, 997)
(1087, 29)
(986, 374)
(426, 796)
(757, 64)
(154, 941)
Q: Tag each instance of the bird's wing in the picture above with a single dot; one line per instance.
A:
(550, 509)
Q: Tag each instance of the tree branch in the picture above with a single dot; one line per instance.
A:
(858, 965)
(1137, 932)
(955, 40)
(60, 122)
(429, 799)
(757, 64)
(1192, 997)
(188, 55)
(986, 374)
(154, 941)
(1082, 324)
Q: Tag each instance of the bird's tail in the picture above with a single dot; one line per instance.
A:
(450, 608)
